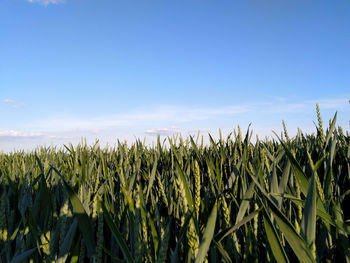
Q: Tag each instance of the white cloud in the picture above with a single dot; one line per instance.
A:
(156, 116)
(333, 103)
(55, 137)
(162, 131)
(46, 2)
(168, 116)
(94, 131)
(171, 120)
(18, 105)
(9, 101)
(284, 106)
(19, 134)
(196, 132)
(13, 104)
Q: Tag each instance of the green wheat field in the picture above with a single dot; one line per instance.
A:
(279, 200)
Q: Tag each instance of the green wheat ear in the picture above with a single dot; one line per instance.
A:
(285, 131)
(320, 124)
(197, 179)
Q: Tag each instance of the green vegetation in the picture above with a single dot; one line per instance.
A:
(231, 201)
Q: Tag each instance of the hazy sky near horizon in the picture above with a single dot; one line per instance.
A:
(113, 69)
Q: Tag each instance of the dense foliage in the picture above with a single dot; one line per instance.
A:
(231, 201)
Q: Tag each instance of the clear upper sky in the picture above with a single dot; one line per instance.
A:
(112, 69)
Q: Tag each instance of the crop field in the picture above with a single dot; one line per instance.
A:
(279, 200)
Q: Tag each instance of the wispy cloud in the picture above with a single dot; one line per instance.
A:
(169, 116)
(333, 103)
(162, 131)
(284, 106)
(169, 120)
(19, 134)
(13, 104)
(56, 137)
(9, 101)
(94, 131)
(18, 105)
(46, 2)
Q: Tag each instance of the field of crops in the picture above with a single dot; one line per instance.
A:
(281, 200)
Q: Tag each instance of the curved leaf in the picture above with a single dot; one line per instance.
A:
(207, 236)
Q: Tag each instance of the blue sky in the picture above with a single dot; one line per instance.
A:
(113, 69)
